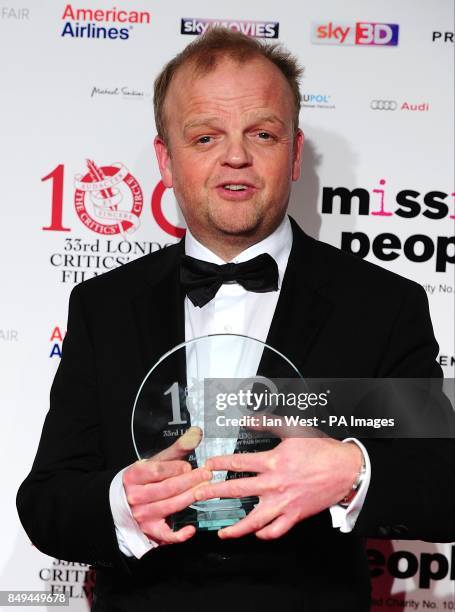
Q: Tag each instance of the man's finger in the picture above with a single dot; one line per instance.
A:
(182, 446)
(144, 472)
(166, 507)
(283, 430)
(170, 487)
(242, 462)
(275, 529)
(257, 519)
(237, 487)
(163, 534)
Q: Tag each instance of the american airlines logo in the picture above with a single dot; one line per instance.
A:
(256, 29)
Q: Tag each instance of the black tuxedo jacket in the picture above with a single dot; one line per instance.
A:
(337, 316)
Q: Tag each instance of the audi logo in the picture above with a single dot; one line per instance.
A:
(383, 105)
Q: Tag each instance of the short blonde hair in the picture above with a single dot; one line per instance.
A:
(219, 42)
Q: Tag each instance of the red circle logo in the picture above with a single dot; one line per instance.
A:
(158, 215)
(108, 199)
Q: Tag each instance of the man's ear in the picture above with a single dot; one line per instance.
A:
(297, 155)
(164, 161)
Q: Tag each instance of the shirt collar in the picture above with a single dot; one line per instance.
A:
(278, 244)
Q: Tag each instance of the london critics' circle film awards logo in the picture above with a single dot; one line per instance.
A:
(108, 199)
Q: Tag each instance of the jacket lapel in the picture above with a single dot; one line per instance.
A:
(302, 308)
(158, 309)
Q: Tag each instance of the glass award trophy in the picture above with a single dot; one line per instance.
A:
(220, 384)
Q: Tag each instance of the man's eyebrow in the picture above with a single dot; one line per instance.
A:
(200, 122)
(271, 118)
(255, 119)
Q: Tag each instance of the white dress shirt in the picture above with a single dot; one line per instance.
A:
(234, 310)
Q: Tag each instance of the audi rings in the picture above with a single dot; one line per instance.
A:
(390, 105)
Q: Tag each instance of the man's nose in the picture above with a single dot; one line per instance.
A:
(236, 154)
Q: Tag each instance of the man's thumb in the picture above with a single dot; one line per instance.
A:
(182, 446)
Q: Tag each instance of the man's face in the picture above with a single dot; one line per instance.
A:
(231, 153)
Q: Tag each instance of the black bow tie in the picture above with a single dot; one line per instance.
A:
(201, 279)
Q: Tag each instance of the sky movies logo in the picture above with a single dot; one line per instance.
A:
(360, 33)
(256, 29)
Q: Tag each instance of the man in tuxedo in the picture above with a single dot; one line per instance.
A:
(229, 145)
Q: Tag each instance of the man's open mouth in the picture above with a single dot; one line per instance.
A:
(235, 187)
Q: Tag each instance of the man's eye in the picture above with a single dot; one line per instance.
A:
(204, 139)
(264, 136)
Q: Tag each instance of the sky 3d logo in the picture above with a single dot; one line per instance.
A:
(360, 33)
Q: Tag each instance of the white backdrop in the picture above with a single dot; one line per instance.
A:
(77, 86)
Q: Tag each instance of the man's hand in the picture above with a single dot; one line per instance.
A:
(158, 487)
(297, 479)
